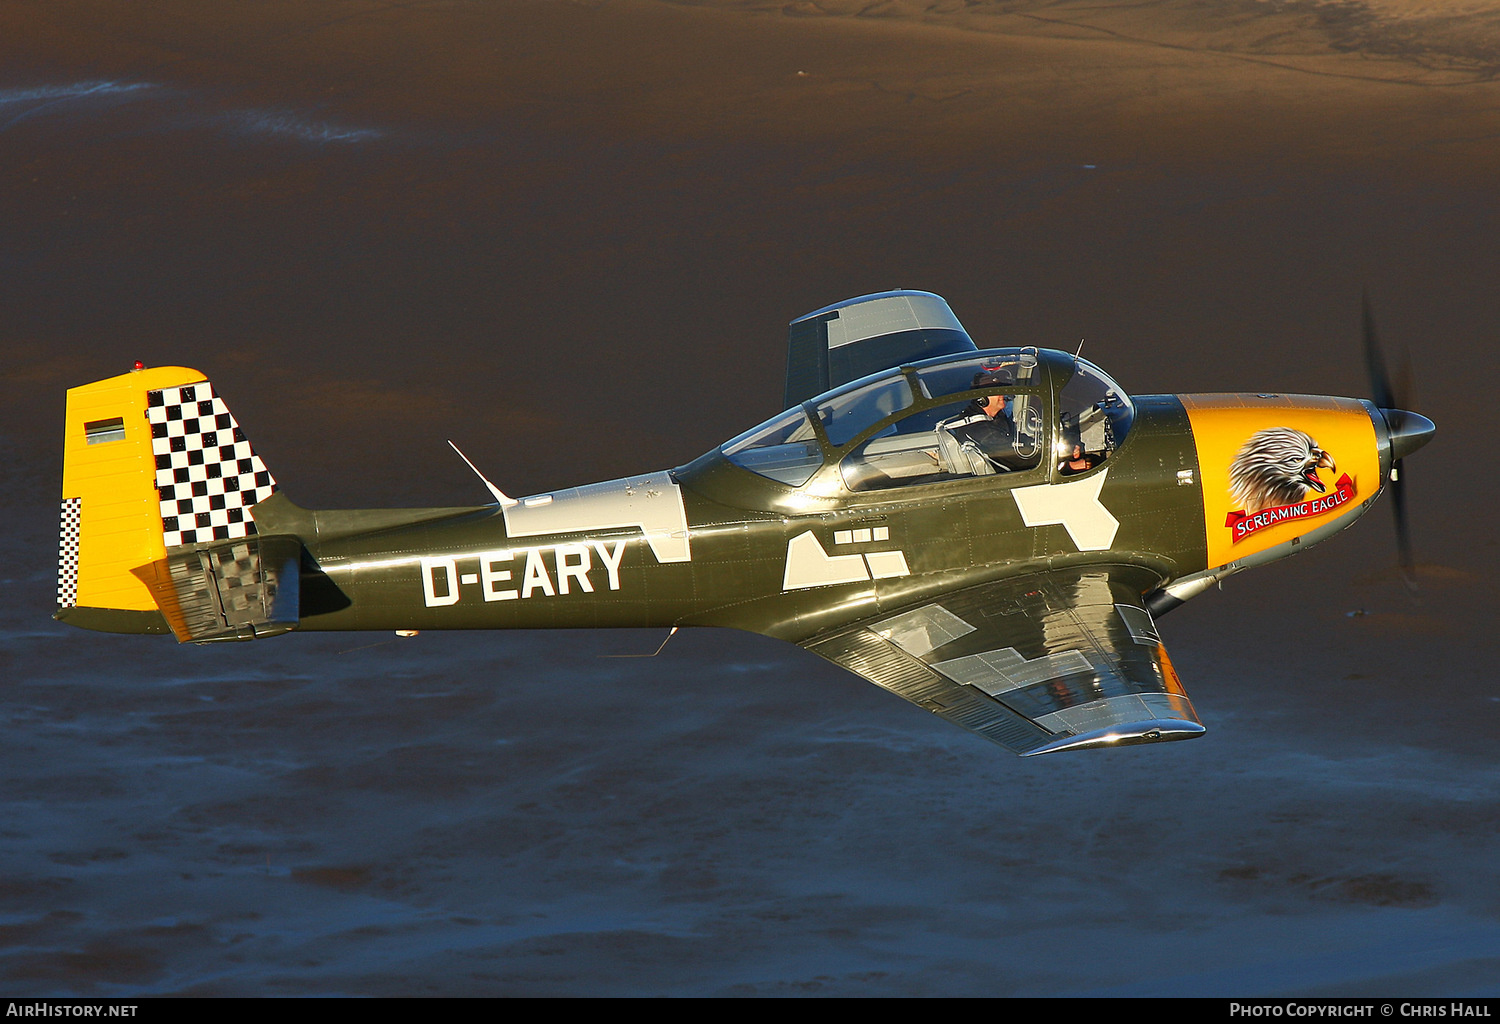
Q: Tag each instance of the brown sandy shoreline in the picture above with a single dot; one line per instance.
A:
(640, 68)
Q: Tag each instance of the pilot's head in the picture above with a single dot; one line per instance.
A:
(993, 403)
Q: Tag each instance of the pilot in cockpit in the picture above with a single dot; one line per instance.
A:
(985, 430)
(1079, 461)
(1084, 440)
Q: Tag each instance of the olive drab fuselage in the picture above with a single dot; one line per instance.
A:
(719, 554)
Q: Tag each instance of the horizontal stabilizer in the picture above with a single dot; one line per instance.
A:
(235, 590)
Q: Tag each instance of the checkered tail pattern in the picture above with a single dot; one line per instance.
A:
(207, 475)
(67, 552)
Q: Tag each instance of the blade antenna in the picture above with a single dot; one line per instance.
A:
(500, 496)
(653, 654)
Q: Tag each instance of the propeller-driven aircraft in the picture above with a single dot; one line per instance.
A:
(989, 534)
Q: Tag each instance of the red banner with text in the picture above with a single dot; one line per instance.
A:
(1244, 524)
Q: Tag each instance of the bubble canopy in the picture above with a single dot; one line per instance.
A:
(920, 423)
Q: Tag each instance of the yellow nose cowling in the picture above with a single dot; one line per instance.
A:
(1275, 468)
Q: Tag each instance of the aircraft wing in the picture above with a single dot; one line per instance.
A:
(1058, 660)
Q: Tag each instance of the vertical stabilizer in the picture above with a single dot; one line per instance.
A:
(153, 463)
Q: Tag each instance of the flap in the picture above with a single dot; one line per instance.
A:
(1061, 660)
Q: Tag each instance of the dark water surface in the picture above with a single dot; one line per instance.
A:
(569, 237)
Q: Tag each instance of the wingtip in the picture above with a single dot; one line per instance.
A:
(1156, 730)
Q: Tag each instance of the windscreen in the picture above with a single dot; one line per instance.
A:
(784, 449)
(1094, 416)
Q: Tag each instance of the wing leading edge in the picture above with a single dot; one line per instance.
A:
(1060, 660)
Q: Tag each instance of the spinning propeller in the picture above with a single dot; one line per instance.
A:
(1408, 431)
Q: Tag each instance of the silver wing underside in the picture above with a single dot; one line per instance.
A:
(1060, 660)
